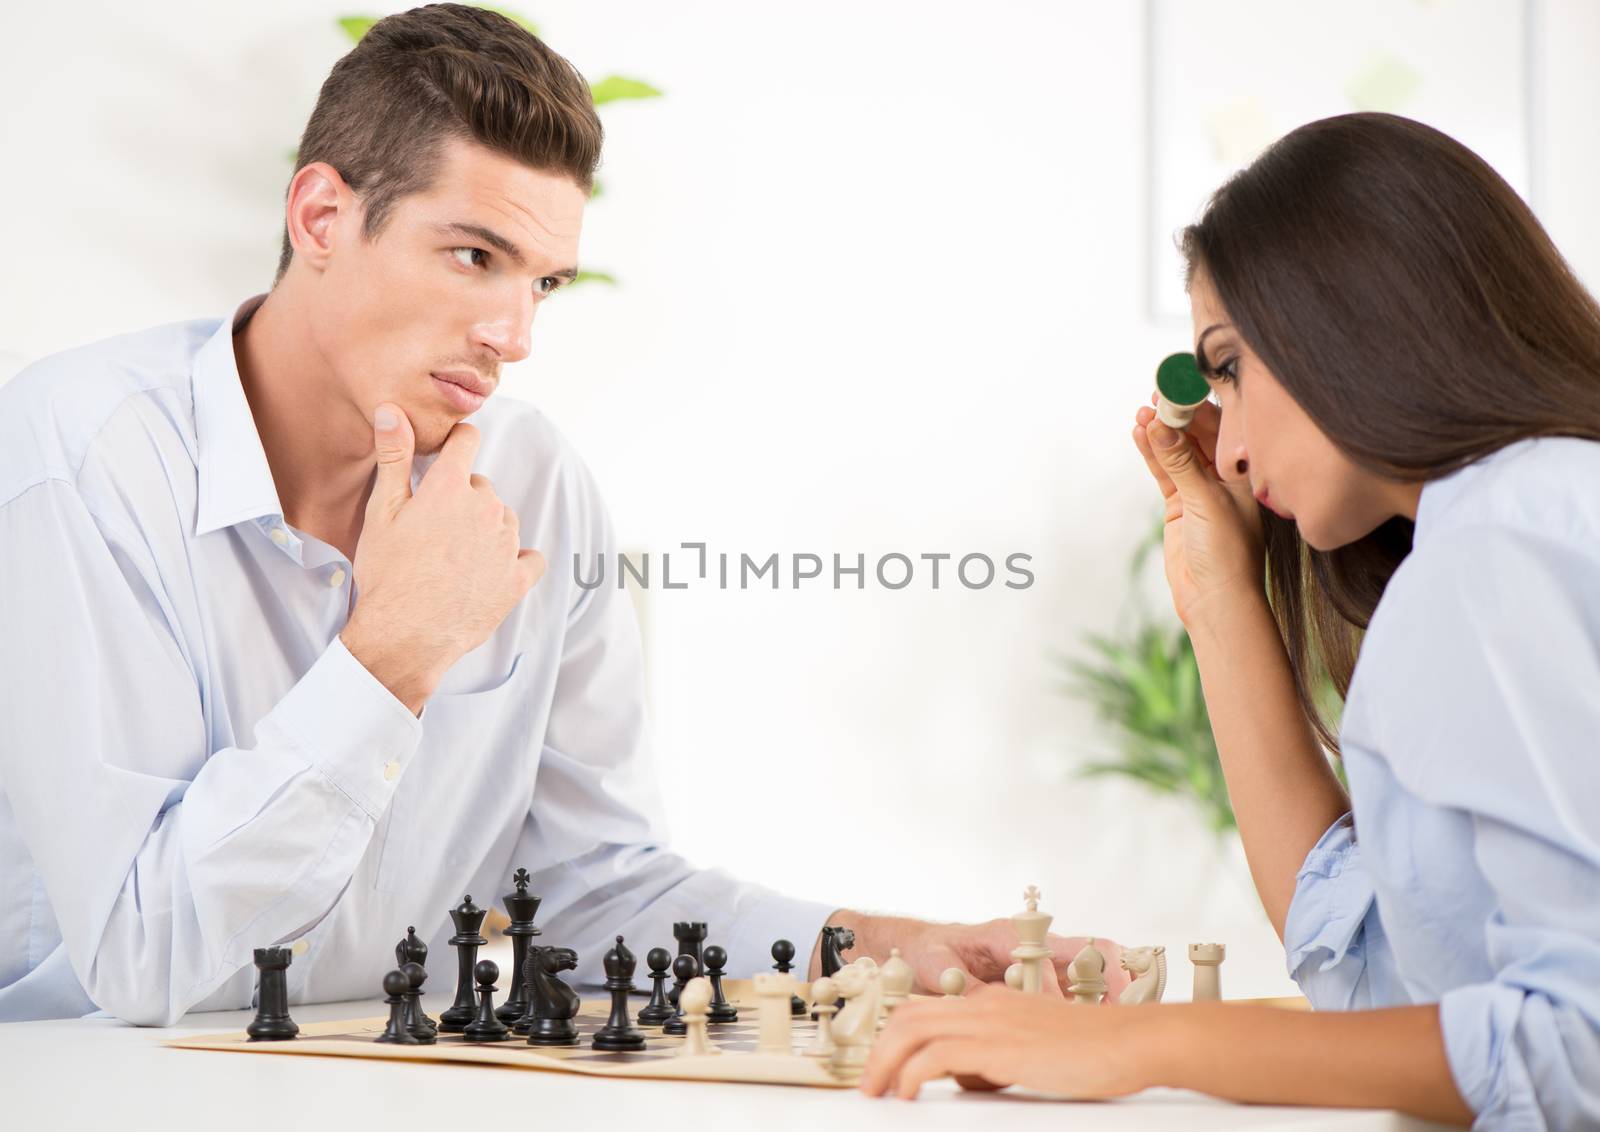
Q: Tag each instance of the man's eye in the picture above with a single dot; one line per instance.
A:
(469, 261)
(547, 284)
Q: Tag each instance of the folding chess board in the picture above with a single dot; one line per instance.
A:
(736, 1042)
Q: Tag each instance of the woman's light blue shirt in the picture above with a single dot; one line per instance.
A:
(1468, 872)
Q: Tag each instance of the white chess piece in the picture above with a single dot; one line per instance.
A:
(824, 991)
(857, 1024)
(1148, 966)
(898, 978)
(1032, 926)
(1207, 959)
(695, 998)
(1014, 976)
(953, 982)
(1086, 976)
(773, 1017)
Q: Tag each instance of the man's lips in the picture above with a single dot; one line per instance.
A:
(466, 390)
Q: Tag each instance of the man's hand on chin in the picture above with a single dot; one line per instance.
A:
(983, 951)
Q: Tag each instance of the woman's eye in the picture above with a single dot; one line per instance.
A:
(470, 253)
(1228, 371)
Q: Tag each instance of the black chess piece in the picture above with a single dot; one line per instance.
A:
(521, 906)
(411, 949)
(395, 985)
(468, 918)
(721, 1010)
(417, 1023)
(618, 1032)
(690, 935)
(783, 952)
(684, 968)
(555, 1004)
(486, 1027)
(835, 942)
(658, 1010)
(272, 1022)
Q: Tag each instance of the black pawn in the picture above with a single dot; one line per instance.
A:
(783, 952)
(418, 1024)
(618, 1032)
(468, 918)
(684, 968)
(690, 934)
(395, 985)
(659, 1009)
(721, 1009)
(272, 1022)
(521, 906)
(486, 1027)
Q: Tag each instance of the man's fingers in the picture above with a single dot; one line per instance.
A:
(532, 566)
(393, 443)
(459, 451)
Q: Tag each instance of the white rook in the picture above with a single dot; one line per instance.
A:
(772, 1019)
(1207, 959)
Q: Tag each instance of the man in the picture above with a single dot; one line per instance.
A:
(275, 666)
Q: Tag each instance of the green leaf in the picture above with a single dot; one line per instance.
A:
(594, 193)
(357, 26)
(595, 277)
(615, 88)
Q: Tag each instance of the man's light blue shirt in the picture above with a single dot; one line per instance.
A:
(1468, 872)
(193, 766)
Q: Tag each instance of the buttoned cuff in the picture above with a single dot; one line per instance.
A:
(1323, 927)
(351, 728)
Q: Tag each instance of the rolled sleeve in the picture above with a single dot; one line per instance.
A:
(1332, 935)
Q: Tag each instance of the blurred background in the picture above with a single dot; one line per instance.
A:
(889, 278)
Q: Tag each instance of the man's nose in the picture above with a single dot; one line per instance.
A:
(508, 332)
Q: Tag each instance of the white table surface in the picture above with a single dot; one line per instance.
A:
(101, 1074)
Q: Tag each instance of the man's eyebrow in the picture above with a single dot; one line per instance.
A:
(1200, 346)
(499, 243)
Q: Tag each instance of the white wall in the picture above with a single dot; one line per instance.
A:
(883, 292)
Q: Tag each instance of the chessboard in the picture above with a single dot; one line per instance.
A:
(735, 1061)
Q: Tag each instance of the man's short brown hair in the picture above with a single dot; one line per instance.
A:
(419, 78)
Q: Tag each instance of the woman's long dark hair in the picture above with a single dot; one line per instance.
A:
(1412, 305)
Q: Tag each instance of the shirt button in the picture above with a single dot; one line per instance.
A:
(300, 947)
(279, 536)
(391, 771)
(336, 579)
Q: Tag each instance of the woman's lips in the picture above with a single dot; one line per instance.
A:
(463, 392)
(1265, 499)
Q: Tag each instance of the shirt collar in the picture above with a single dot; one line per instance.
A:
(235, 481)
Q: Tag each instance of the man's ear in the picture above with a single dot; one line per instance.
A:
(317, 197)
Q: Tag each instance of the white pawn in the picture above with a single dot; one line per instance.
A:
(1014, 976)
(695, 998)
(1207, 959)
(825, 992)
(898, 978)
(953, 982)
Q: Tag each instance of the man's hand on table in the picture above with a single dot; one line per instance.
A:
(983, 951)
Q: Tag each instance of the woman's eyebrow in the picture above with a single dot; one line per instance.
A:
(1200, 346)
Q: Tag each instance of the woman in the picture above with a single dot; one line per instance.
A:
(1406, 446)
